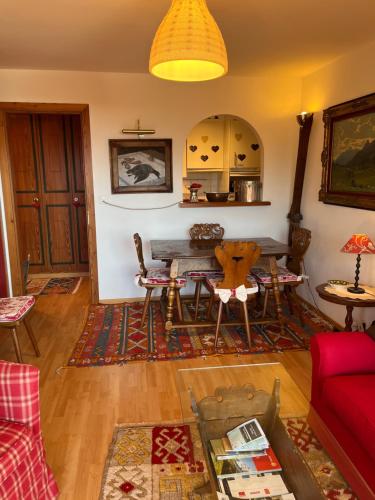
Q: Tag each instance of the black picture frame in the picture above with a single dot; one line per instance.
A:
(348, 157)
(141, 165)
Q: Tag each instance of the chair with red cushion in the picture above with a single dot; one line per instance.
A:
(24, 473)
(203, 232)
(155, 278)
(289, 276)
(13, 312)
(236, 259)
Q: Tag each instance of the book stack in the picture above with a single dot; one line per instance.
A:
(246, 466)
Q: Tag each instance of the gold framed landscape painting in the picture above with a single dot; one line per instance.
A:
(141, 165)
(348, 156)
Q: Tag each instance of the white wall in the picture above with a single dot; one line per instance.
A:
(118, 100)
(348, 77)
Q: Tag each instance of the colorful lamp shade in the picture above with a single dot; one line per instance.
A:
(358, 244)
(188, 45)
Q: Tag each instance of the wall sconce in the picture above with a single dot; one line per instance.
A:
(138, 131)
(303, 117)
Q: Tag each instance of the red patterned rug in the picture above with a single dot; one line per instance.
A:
(49, 286)
(112, 335)
(134, 468)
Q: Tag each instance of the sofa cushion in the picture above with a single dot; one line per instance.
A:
(352, 399)
(16, 443)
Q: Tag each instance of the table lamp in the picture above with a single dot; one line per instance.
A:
(358, 244)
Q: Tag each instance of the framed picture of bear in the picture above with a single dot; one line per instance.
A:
(141, 165)
(348, 156)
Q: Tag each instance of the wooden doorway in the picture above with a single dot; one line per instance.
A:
(61, 210)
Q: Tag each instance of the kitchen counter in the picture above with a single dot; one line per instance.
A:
(206, 204)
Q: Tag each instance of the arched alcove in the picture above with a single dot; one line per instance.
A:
(222, 153)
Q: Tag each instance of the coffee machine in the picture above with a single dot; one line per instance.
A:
(246, 187)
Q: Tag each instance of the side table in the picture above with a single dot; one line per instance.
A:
(349, 302)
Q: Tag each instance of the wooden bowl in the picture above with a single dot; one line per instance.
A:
(338, 284)
(217, 197)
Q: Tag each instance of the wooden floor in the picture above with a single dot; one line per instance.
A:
(81, 406)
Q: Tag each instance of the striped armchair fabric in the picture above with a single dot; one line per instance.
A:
(24, 473)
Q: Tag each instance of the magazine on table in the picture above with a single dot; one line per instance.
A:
(238, 465)
(248, 436)
(253, 487)
(223, 450)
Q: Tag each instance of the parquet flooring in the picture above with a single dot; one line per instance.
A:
(81, 406)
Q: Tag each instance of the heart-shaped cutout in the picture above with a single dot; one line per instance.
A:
(238, 136)
(215, 149)
(193, 148)
(255, 146)
(204, 157)
(204, 138)
(241, 157)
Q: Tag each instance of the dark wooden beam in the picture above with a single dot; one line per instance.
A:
(305, 123)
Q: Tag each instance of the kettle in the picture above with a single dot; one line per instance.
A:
(248, 190)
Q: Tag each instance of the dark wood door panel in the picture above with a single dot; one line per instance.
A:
(47, 164)
(60, 234)
(22, 151)
(83, 255)
(53, 149)
(77, 154)
(30, 233)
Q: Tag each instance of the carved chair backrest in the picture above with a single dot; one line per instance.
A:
(206, 232)
(139, 249)
(301, 238)
(231, 406)
(25, 274)
(236, 259)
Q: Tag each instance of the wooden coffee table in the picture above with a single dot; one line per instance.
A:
(349, 302)
(218, 398)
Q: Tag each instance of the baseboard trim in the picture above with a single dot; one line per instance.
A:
(57, 275)
(340, 328)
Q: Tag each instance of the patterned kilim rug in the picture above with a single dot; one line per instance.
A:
(112, 335)
(167, 463)
(49, 286)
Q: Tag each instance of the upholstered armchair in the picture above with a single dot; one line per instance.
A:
(24, 473)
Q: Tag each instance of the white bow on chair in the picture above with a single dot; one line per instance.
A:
(226, 293)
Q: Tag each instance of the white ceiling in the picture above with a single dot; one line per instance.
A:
(264, 37)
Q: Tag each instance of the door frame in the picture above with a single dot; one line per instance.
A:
(9, 203)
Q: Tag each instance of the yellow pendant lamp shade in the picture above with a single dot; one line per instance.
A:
(188, 46)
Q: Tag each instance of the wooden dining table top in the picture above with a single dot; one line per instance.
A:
(200, 249)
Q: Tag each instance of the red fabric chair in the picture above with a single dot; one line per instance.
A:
(343, 404)
(24, 473)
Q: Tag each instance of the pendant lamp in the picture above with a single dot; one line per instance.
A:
(188, 45)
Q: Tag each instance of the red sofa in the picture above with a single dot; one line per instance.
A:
(342, 411)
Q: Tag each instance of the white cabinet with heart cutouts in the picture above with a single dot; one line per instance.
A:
(244, 148)
(205, 145)
(222, 142)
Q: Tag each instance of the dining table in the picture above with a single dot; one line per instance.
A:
(194, 255)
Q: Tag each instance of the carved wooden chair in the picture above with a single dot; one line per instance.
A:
(203, 232)
(153, 278)
(289, 276)
(236, 259)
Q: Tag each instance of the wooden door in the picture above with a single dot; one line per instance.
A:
(3, 273)
(46, 156)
